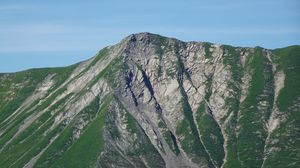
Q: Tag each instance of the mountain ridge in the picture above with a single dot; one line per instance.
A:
(295, 45)
(153, 101)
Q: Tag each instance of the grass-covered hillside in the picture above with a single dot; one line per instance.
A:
(153, 101)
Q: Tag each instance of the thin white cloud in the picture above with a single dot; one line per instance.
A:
(51, 37)
(53, 28)
(237, 30)
(64, 37)
(16, 7)
(36, 28)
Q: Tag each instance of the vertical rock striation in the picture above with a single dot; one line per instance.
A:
(153, 101)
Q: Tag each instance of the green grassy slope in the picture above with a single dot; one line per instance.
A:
(105, 133)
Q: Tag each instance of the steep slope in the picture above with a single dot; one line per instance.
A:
(152, 101)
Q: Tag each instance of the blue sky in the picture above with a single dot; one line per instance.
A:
(36, 33)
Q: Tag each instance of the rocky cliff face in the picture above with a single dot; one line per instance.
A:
(152, 101)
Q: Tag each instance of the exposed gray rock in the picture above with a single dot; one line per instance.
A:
(155, 102)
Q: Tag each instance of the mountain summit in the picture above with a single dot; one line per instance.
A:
(153, 101)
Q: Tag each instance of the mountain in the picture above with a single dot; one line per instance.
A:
(153, 101)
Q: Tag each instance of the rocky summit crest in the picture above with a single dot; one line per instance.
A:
(153, 101)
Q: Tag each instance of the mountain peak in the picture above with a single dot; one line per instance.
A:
(143, 37)
(153, 101)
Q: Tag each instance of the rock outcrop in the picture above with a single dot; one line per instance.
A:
(152, 101)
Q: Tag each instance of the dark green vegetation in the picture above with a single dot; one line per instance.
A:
(288, 61)
(232, 60)
(287, 135)
(192, 143)
(208, 54)
(82, 153)
(169, 137)
(255, 109)
(111, 111)
(160, 42)
(211, 134)
(32, 141)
